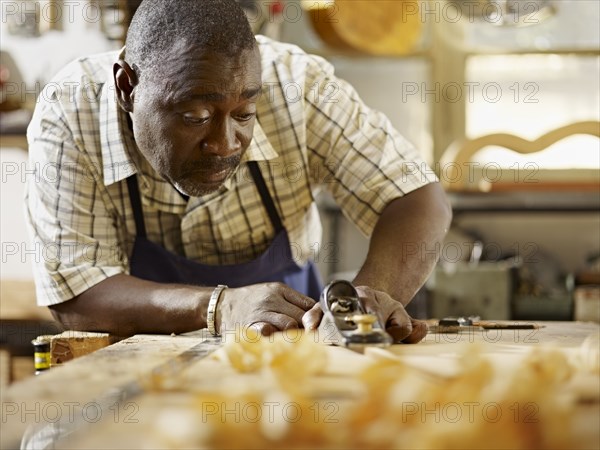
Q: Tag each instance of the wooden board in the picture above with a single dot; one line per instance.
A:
(71, 344)
(95, 381)
(108, 399)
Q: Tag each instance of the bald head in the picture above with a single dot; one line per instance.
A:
(217, 26)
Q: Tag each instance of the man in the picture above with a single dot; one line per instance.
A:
(189, 160)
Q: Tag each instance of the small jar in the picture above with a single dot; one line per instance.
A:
(41, 353)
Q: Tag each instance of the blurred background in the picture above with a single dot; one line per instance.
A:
(502, 97)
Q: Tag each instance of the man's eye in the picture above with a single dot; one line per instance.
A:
(246, 117)
(194, 120)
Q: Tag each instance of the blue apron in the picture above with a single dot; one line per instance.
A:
(150, 261)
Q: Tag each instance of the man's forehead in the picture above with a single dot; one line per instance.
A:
(188, 56)
(201, 72)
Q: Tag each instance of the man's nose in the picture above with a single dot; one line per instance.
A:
(222, 139)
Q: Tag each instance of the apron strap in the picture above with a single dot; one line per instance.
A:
(265, 196)
(136, 205)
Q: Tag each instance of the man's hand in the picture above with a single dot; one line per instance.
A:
(390, 312)
(268, 307)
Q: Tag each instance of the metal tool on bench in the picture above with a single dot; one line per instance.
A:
(474, 323)
(455, 325)
(345, 321)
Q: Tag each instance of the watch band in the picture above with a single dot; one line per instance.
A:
(212, 308)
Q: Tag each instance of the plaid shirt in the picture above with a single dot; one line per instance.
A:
(312, 131)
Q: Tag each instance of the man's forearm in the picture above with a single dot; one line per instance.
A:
(406, 243)
(125, 305)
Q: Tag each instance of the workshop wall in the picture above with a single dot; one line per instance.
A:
(565, 242)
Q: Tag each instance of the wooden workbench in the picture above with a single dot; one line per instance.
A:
(106, 400)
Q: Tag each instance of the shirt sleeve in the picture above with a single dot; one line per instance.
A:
(360, 158)
(74, 236)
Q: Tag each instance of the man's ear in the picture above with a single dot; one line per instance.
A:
(125, 81)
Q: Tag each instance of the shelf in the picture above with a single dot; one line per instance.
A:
(529, 202)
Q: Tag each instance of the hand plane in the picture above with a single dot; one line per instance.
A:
(345, 321)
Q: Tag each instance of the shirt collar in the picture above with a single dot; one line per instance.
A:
(121, 157)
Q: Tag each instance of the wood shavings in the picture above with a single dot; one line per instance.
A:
(481, 405)
(293, 355)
